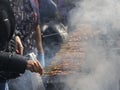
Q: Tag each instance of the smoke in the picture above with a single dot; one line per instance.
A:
(96, 13)
(100, 69)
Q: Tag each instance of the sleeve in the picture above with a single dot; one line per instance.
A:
(12, 62)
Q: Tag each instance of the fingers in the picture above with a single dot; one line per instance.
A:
(30, 65)
(40, 70)
(34, 66)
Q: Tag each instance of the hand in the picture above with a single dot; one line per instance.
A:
(19, 45)
(34, 66)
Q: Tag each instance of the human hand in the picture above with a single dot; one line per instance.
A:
(19, 45)
(34, 66)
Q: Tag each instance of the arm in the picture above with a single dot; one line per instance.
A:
(39, 39)
(40, 47)
(17, 63)
(19, 45)
(12, 62)
(38, 33)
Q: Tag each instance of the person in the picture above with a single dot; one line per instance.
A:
(28, 28)
(28, 25)
(9, 61)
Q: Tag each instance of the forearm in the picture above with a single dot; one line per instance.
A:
(19, 49)
(12, 63)
(39, 39)
(41, 57)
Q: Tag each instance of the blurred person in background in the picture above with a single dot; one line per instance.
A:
(28, 30)
(28, 27)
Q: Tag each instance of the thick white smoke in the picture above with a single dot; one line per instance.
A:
(100, 70)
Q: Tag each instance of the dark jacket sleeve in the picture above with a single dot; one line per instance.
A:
(12, 62)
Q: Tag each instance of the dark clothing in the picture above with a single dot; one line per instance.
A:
(4, 5)
(7, 24)
(10, 64)
(3, 86)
